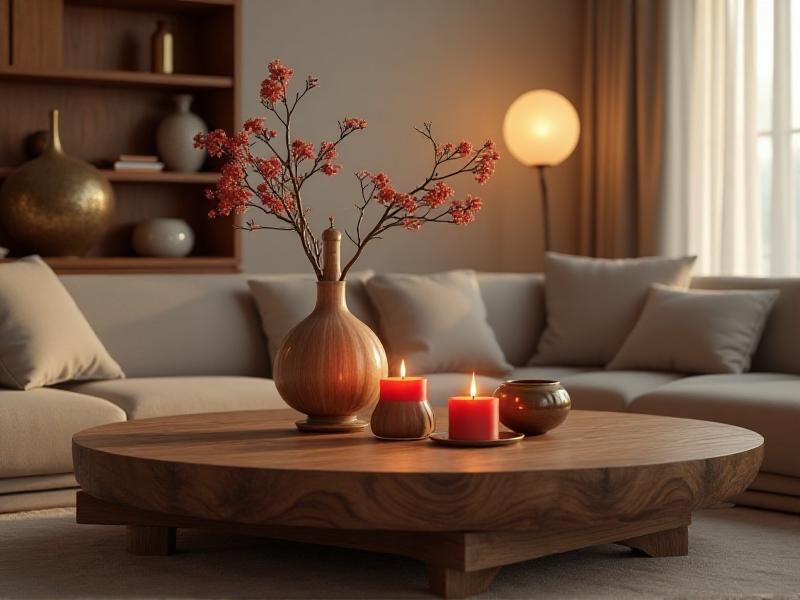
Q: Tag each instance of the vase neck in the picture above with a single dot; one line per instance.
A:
(183, 102)
(331, 294)
(54, 141)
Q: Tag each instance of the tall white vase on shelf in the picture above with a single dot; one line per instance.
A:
(175, 137)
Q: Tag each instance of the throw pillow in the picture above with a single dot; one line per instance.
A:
(44, 337)
(593, 303)
(696, 331)
(285, 300)
(437, 323)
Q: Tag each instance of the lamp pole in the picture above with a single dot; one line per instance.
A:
(545, 206)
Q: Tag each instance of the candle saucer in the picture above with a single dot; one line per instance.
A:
(505, 438)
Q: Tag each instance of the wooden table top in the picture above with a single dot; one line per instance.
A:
(269, 440)
(255, 467)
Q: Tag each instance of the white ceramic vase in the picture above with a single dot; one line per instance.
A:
(166, 238)
(175, 137)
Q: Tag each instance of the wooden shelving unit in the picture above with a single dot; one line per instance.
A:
(113, 78)
(91, 59)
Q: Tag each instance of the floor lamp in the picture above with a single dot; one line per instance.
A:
(541, 129)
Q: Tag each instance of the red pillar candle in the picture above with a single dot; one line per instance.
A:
(404, 389)
(473, 417)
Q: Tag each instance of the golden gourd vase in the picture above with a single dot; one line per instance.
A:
(56, 205)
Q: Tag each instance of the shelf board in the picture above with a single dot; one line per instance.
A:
(135, 79)
(200, 178)
(141, 264)
(177, 6)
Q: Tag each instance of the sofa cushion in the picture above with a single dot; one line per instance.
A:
(443, 385)
(612, 390)
(160, 396)
(436, 323)
(768, 403)
(515, 311)
(777, 350)
(167, 325)
(36, 428)
(44, 338)
(593, 303)
(696, 331)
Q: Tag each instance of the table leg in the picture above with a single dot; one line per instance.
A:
(146, 540)
(452, 583)
(671, 542)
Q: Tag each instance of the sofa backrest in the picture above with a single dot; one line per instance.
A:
(779, 349)
(515, 311)
(158, 325)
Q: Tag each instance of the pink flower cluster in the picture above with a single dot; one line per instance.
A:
(353, 123)
(273, 89)
(302, 150)
(327, 153)
(465, 211)
(486, 164)
(438, 195)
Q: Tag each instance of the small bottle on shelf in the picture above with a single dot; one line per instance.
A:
(163, 49)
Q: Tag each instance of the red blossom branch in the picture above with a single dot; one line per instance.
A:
(283, 174)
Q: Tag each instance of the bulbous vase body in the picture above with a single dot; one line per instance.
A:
(175, 137)
(56, 205)
(172, 238)
(330, 365)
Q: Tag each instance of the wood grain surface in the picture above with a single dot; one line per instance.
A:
(253, 467)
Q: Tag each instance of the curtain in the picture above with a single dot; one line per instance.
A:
(727, 186)
(622, 142)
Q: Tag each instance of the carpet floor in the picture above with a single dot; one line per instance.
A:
(734, 553)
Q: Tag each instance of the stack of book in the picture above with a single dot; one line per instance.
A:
(138, 162)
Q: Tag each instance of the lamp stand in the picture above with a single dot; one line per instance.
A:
(545, 206)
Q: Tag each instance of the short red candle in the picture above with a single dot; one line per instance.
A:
(473, 417)
(404, 389)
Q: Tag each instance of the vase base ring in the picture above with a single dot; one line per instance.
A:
(331, 424)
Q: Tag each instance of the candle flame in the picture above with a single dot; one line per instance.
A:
(402, 369)
(473, 387)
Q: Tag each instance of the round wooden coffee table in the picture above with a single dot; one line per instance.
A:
(601, 477)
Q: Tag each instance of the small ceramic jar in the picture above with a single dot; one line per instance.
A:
(168, 238)
(532, 406)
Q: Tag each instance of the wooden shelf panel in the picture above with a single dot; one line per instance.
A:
(177, 6)
(201, 178)
(102, 77)
(141, 264)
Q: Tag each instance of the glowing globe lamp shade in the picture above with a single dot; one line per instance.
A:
(541, 128)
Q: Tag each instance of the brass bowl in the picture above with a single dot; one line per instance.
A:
(533, 406)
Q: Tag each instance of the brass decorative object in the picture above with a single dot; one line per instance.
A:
(533, 406)
(56, 205)
(330, 365)
(163, 49)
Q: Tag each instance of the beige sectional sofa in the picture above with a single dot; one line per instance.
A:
(195, 344)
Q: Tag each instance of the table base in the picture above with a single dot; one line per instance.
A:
(460, 564)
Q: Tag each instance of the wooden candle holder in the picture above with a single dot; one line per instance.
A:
(402, 420)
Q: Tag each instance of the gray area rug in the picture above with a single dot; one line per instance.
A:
(734, 553)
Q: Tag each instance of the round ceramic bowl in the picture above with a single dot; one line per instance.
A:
(532, 406)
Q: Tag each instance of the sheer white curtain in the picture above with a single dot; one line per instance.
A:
(729, 184)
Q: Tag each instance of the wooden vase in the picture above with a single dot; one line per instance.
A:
(330, 365)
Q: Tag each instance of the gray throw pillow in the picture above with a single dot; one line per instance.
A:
(437, 323)
(285, 300)
(696, 331)
(44, 337)
(593, 303)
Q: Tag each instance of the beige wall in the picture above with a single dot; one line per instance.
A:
(458, 63)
